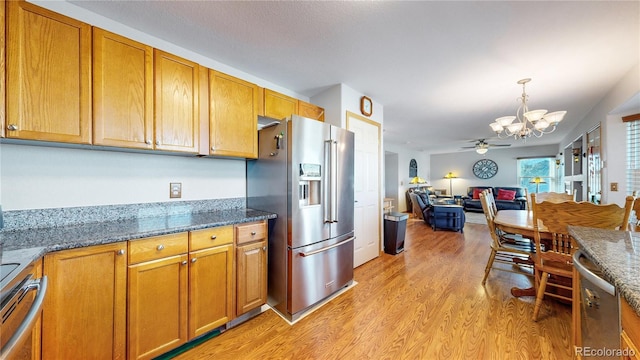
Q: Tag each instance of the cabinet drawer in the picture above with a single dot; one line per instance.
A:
(158, 247)
(206, 238)
(251, 232)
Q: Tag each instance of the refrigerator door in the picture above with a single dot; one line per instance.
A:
(319, 270)
(308, 170)
(342, 178)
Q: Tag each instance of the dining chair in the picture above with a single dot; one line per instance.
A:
(555, 196)
(491, 200)
(505, 249)
(554, 256)
(415, 207)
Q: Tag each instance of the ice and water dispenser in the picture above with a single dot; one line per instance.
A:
(309, 186)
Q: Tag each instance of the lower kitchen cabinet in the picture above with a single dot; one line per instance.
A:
(630, 337)
(157, 295)
(210, 279)
(251, 264)
(84, 313)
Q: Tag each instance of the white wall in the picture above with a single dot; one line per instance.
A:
(613, 133)
(404, 157)
(461, 164)
(49, 177)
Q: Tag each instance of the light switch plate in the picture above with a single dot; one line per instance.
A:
(175, 190)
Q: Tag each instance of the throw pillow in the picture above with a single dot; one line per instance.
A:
(476, 193)
(506, 194)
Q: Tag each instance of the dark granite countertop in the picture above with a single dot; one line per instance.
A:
(15, 244)
(617, 253)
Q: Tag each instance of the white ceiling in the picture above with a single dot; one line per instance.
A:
(442, 70)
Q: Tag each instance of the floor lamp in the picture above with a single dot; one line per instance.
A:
(450, 176)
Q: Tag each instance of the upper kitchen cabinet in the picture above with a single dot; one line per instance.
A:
(48, 75)
(122, 91)
(177, 103)
(233, 116)
(310, 111)
(279, 106)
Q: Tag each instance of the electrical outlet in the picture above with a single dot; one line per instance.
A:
(175, 190)
(614, 186)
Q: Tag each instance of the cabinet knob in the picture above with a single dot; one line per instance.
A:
(264, 248)
(12, 127)
(213, 237)
(194, 260)
(253, 233)
(148, 142)
(120, 252)
(160, 247)
(157, 142)
(184, 262)
(213, 149)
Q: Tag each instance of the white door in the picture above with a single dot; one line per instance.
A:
(366, 188)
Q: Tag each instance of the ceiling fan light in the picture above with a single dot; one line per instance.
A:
(482, 150)
(555, 117)
(505, 120)
(496, 127)
(541, 124)
(535, 115)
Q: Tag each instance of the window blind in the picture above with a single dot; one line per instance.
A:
(633, 156)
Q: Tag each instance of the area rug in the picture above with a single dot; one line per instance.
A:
(475, 218)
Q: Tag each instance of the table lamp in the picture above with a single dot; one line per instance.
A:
(417, 180)
(537, 180)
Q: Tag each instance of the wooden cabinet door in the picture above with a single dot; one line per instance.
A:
(157, 305)
(84, 314)
(310, 111)
(210, 289)
(48, 75)
(177, 103)
(233, 116)
(251, 284)
(122, 91)
(279, 106)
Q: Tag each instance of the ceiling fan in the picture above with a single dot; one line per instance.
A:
(482, 146)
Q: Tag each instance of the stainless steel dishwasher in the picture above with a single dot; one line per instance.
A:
(599, 311)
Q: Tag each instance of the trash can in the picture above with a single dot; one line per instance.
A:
(395, 226)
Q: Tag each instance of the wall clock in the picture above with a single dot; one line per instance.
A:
(366, 106)
(485, 169)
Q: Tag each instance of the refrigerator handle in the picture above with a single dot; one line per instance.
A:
(334, 181)
(326, 191)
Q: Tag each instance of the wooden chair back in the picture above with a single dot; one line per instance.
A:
(491, 201)
(490, 216)
(555, 197)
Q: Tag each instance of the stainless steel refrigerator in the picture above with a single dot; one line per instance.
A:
(304, 174)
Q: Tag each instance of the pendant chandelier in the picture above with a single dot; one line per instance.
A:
(527, 123)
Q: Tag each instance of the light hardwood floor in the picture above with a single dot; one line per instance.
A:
(425, 303)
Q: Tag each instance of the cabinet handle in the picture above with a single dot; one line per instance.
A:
(213, 237)
(194, 260)
(12, 127)
(148, 142)
(253, 233)
(160, 247)
(120, 252)
(184, 262)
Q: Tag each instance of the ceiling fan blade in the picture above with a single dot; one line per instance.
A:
(498, 145)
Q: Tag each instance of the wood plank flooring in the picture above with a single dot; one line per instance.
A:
(424, 303)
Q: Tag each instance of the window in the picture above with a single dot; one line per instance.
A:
(633, 156)
(539, 167)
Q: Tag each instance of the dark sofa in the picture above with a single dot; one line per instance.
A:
(440, 216)
(518, 203)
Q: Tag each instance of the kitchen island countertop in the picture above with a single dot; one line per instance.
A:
(617, 253)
